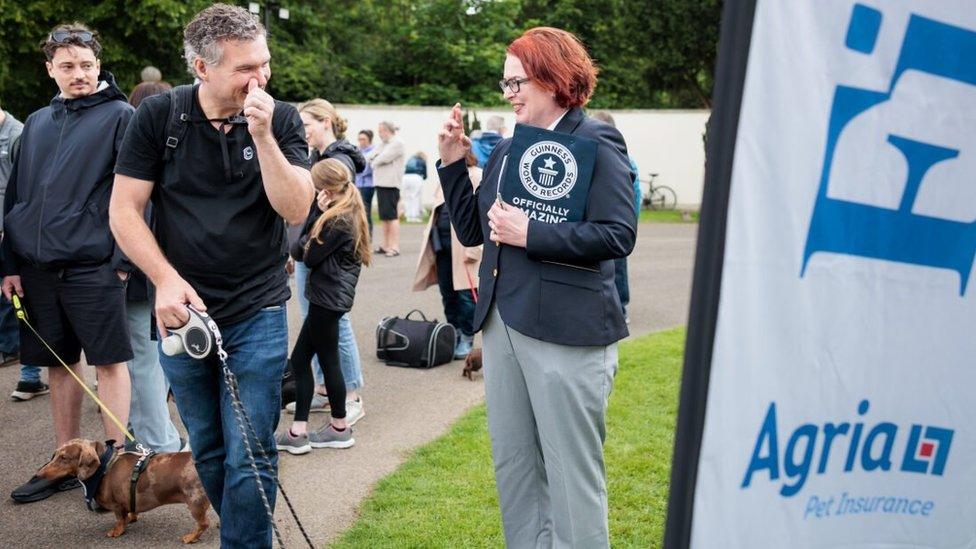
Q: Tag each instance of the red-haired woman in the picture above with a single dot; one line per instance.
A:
(547, 303)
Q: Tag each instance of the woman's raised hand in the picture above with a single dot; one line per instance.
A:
(452, 144)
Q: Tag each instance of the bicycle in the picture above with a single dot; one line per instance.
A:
(659, 197)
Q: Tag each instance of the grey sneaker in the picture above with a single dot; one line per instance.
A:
(320, 403)
(292, 444)
(355, 411)
(27, 390)
(328, 437)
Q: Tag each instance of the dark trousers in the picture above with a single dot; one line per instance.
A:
(620, 279)
(367, 194)
(319, 335)
(458, 304)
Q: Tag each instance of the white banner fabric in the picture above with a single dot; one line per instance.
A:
(842, 396)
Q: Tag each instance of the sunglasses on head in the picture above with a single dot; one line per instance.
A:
(62, 36)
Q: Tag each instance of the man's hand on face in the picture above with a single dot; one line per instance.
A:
(258, 109)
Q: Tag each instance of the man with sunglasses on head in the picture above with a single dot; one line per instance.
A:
(225, 166)
(58, 251)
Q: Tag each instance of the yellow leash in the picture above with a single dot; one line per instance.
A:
(22, 315)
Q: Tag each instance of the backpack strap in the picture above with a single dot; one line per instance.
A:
(180, 103)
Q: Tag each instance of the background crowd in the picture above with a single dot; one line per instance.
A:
(84, 294)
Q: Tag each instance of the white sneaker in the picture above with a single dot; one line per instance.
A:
(355, 411)
(320, 403)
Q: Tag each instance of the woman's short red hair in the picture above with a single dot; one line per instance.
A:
(557, 61)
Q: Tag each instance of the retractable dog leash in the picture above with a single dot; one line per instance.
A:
(198, 338)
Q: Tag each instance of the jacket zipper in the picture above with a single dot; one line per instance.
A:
(571, 266)
(40, 217)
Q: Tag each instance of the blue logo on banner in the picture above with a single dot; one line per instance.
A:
(810, 448)
(851, 228)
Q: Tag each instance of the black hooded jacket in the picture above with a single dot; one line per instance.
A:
(333, 263)
(345, 152)
(334, 267)
(56, 207)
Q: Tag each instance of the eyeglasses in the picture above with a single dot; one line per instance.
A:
(513, 85)
(62, 36)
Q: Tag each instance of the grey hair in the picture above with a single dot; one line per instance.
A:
(495, 123)
(202, 35)
(390, 126)
(151, 74)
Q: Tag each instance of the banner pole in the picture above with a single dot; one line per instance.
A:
(733, 55)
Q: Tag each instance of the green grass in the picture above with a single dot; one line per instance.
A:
(444, 494)
(668, 216)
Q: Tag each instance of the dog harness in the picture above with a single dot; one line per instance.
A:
(137, 470)
(91, 484)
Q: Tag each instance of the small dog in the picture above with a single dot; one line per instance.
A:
(472, 364)
(168, 478)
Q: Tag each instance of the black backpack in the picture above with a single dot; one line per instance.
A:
(414, 343)
(180, 103)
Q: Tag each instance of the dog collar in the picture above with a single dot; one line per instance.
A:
(91, 484)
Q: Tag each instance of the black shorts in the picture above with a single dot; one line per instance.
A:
(74, 309)
(387, 199)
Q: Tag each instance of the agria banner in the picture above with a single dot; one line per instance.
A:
(828, 396)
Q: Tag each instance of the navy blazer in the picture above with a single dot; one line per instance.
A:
(560, 287)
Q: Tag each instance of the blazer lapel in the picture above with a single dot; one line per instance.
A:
(571, 121)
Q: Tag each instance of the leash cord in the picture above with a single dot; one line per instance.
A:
(243, 420)
(22, 316)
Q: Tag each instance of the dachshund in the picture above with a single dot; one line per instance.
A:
(167, 478)
(472, 364)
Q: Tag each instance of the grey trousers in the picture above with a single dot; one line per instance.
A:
(546, 417)
(148, 412)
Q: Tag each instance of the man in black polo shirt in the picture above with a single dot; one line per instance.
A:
(220, 203)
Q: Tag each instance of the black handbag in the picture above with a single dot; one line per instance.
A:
(414, 343)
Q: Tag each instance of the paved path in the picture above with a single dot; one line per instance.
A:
(404, 409)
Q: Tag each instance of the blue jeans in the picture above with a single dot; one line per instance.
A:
(352, 371)
(148, 411)
(257, 349)
(30, 373)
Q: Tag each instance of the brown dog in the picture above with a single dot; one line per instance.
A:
(168, 478)
(472, 364)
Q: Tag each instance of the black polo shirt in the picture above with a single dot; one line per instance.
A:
(214, 222)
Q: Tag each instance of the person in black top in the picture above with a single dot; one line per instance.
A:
(58, 252)
(547, 302)
(334, 248)
(221, 193)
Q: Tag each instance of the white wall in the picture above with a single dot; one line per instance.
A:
(668, 142)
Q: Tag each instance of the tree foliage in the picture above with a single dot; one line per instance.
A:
(651, 53)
